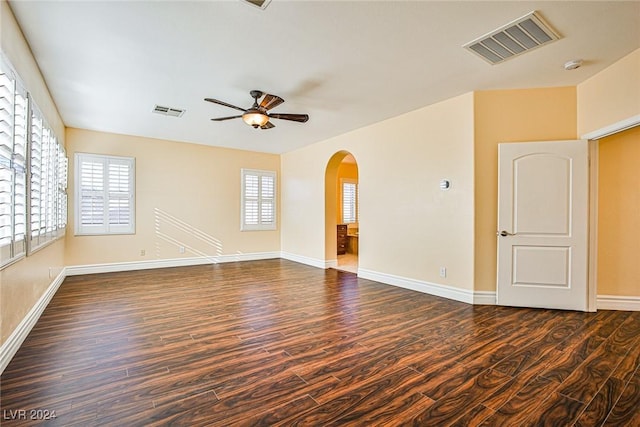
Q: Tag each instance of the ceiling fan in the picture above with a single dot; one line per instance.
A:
(258, 116)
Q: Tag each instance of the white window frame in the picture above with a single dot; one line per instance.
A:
(355, 218)
(104, 227)
(261, 223)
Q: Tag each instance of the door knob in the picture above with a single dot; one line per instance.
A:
(505, 233)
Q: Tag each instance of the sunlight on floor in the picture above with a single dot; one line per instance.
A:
(348, 262)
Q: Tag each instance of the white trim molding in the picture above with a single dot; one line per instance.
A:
(314, 262)
(484, 298)
(76, 270)
(613, 128)
(615, 302)
(445, 291)
(11, 346)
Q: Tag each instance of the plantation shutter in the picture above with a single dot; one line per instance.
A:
(91, 198)
(37, 214)
(13, 141)
(6, 169)
(251, 200)
(63, 173)
(120, 198)
(267, 195)
(27, 144)
(349, 202)
(45, 186)
(20, 172)
(106, 195)
(258, 200)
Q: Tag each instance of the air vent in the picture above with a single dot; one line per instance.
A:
(168, 111)
(517, 37)
(262, 4)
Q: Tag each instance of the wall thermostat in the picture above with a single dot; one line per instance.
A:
(445, 184)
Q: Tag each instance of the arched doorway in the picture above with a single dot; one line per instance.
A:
(342, 212)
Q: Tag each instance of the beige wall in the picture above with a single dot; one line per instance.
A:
(510, 116)
(186, 195)
(611, 95)
(408, 226)
(24, 282)
(618, 214)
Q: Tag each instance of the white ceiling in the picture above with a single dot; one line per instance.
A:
(345, 63)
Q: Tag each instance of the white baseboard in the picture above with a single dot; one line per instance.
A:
(75, 270)
(10, 347)
(614, 302)
(445, 291)
(314, 262)
(484, 297)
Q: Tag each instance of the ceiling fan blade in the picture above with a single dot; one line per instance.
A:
(220, 119)
(267, 125)
(293, 117)
(215, 101)
(270, 101)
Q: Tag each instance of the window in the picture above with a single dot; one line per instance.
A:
(47, 184)
(258, 200)
(13, 166)
(349, 201)
(104, 194)
(33, 173)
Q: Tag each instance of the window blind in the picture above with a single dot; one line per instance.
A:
(35, 165)
(47, 183)
(349, 202)
(105, 194)
(20, 171)
(13, 142)
(6, 167)
(33, 173)
(63, 173)
(258, 200)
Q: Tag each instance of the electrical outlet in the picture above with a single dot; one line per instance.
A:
(181, 249)
(143, 252)
(443, 271)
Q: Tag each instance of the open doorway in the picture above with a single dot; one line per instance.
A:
(617, 271)
(342, 212)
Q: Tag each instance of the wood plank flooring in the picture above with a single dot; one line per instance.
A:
(270, 343)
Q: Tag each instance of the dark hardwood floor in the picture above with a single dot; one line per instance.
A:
(279, 343)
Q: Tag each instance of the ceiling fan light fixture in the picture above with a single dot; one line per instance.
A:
(255, 118)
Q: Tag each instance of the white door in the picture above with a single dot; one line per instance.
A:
(543, 207)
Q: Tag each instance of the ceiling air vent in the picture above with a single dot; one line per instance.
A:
(262, 4)
(513, 39)
(168, 111)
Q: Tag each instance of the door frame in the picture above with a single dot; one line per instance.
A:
(331, 184)
(593, 138)
(592, 250)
